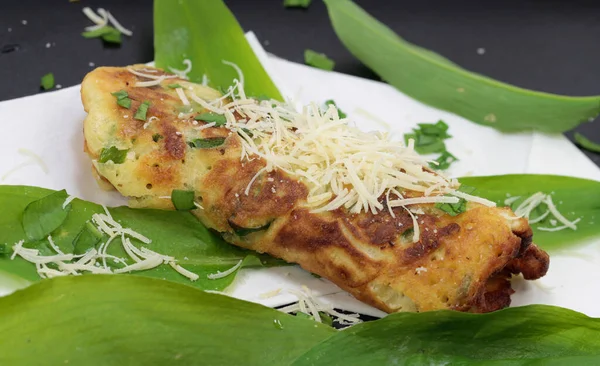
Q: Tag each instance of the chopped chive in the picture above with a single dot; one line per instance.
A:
(86, 239)
(183, 200)
(113, 154)
(443, 161)
(174, 86)
(435, 147)
(454, 209)
(47, 81)
(107, 33)
(318, 60)
(122, 98)
(207, 143)
(296, 3)
(219, 119)
(156, 137)
(341, 114)
(243, 231)
(142, 110)
(586, 143)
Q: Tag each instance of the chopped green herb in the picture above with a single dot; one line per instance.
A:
(156, 137)
(107, 33)
(439, 129)
(318, 60)
(586, 143)
(47, 81)
(243, 231)
(113, 154)
(122, 98)
(434, 147)
(219, 119)
(454, 209)
(174, 86)
(429, 139)
(341, 114)
(296, 3)
(183, 200)
(140, 114)
(86, 239)
(207, 143)
(326, 318)
(443, 161)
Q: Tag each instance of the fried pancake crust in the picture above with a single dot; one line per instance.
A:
(463, 263)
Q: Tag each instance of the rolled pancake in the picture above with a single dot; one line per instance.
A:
(461, 262)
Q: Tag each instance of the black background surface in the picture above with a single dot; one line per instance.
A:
(546, 45)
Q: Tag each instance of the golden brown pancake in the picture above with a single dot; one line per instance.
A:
(462, 262)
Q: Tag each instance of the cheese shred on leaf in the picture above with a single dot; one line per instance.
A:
(96, 260)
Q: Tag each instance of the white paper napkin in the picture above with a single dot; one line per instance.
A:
(49, 125)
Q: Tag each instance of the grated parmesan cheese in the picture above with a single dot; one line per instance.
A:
(69, 264)
(214, 276)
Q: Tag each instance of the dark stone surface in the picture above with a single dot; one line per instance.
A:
(549, 45)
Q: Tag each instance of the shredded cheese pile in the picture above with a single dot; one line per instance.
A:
(95, 260)
(534, 201)
(342, 165)
(310, 305)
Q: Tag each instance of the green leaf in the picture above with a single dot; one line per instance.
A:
(174, 86)
(341, 114)
(47, 81)
(514, 336)
(318, 60)
(107, 33)
(219, 119)
(434, 80)
(206, 33)
(183, 200)
(175, 233)
(586, 143)
(113, 154)
(573, 197)
(142, 110)
(131, 320)
(43, 216)
(296, 3)
(207, 143)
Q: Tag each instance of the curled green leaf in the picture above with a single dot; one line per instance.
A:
(43, 216)
(586, 143)
(436, 81)
(574, 198)
(207, 33)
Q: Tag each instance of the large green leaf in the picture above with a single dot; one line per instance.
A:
(574, 198)
(515, 336)
(207, 33)
(178, 234)
(434, 80)
(131, 320)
